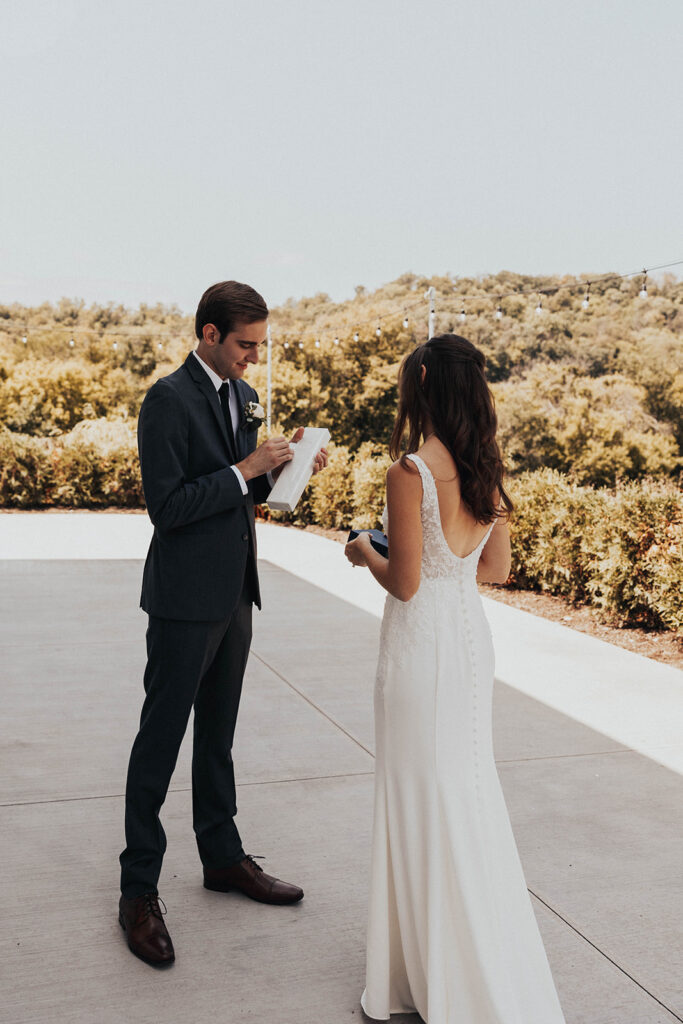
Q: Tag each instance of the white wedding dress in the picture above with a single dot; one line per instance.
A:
(451, 931)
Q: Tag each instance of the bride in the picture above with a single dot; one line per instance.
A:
(451, 931)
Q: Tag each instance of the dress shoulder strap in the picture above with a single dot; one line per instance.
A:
(428, 482)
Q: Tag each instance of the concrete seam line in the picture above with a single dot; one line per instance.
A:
(312, 703)
(182, 789)
(557, 757)
(605, 955)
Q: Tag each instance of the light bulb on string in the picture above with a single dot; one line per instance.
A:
(286, 345)
(356, 336)
(463, 315)
(586, 299)
(499, 312)
(301, 344)
(317, 343)
(336, 341)
(643, 291)
(405, 322)
(115, 346)
(539, 307)
(71, 343)
(378, 332)
(25, 340)
(160, 346)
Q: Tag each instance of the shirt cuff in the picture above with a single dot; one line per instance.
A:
(242, 481)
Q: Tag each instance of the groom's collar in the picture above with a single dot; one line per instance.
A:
(213, 376)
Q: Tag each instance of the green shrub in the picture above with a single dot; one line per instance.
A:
(48, 399)
(26, 471)
(598, 431)
(93, 466)
(331, 493)
(369, 486)
(618, 550)
(638, 561)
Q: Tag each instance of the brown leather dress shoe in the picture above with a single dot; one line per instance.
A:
(248, 877)
(142, 920)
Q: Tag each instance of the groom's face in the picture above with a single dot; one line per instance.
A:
(239, 348)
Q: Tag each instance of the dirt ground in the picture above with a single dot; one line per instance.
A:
(666, 647)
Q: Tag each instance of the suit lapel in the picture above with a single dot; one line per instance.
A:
(203, 382)
(241, 432)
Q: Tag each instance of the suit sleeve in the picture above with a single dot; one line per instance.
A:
(172, 500)
(262, 489)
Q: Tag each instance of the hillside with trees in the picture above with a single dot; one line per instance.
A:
(587, 375)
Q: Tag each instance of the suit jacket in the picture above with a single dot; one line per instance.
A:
(204, 538)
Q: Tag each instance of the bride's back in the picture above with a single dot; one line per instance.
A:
(461, 530)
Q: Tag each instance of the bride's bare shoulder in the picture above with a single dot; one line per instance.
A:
(403, 480)
(402, 468)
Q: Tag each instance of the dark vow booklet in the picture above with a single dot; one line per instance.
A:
(377, 539)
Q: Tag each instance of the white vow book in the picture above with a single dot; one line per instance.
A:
(290, 484)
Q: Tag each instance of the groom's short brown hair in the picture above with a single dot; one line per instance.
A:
(227, 304)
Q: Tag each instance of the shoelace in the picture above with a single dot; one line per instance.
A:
(150, 906)
(253, 859)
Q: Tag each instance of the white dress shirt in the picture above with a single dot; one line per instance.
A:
(232, 405)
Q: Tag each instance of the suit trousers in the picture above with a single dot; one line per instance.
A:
(188, 663)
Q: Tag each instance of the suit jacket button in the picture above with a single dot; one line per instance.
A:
(245, 536)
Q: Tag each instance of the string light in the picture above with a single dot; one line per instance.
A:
(133, 335)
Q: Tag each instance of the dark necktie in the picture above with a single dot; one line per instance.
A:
(224, 395)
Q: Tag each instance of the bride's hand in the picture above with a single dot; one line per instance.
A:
(356, 549)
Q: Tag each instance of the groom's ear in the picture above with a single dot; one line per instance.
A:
(211, 335)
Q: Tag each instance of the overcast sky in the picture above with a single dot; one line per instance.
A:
(152, 148)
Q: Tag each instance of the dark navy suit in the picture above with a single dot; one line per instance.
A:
(199, 583)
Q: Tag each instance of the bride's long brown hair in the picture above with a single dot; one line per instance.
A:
(456, 402)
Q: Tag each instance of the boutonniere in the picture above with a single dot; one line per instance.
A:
(254, 415)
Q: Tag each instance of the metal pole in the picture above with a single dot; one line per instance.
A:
(270, 379)
(429, 294)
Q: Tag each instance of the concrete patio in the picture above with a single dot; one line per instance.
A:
(598, 824)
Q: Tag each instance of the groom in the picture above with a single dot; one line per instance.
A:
(202, 472)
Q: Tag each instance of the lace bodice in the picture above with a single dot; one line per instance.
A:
(438, 561)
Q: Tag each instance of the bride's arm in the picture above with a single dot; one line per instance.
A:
(495, 561)
(400, 573)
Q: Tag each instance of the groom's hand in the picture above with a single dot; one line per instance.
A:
(296, 436)
(269, 457)
(319, 462)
